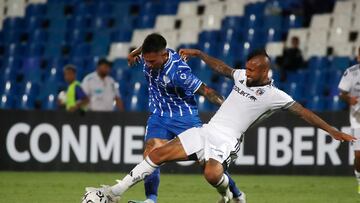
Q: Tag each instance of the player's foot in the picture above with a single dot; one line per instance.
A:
(107, 191)
(227, 197)
(145, 201)
(240, 199)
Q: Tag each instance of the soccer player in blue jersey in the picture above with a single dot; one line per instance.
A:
(172, 103)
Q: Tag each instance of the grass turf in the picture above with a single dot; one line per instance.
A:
(64, 187)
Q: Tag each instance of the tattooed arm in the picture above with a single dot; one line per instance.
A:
(216, 64)
(210, 94)
(316, 121)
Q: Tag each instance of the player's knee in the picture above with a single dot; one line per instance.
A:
(212, 176)
(157, 156)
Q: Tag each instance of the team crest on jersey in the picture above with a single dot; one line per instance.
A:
(260, 92)
(183, 76)
(166, 79)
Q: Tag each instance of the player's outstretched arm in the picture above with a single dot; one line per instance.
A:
(134, 56)
(216, 64)
(210, 94)
(316, 121)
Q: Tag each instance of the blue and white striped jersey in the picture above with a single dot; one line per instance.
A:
(172, 88)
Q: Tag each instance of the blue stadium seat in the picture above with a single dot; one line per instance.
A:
(340, 63)
(255, 8)
(150, 9)
(316, 84)
(207, 36)
(168, 8)
(79, 22)
(105, 9)
(56, 37)
(146, 21)
(272, 35)
(49, 102)
(13, 24)
(120, 64)
(55, 9)
(136, 100)
(203, 104)
(232, 22)
(85, 9)
(34, 10)
(7, 101)
(32, 89)
(317, 103)
(35, 50)
(81, 50)
(334, 103)
(231, 35)
(253, 21)
(333, 79)
(31, 69)
(33, 23)
(318, 63)
(209, 47)
(16, 50)
(225, 87)
(53, 50)
(228, 53)
(121, 35)
(26, 102)
(10, 37)
(57, 24)
(274, 22)
(75, 37)
(38, 36)
(292, 21)
(295, 90)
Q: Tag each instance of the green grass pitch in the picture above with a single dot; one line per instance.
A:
(64, 187)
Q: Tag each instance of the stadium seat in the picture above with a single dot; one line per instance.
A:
(211, 22)
(340, 63)
(7, 102)
(13, 24)
(187, 9)
(292, 21)
(232, 22)
(121, 35)
(318, 63)
(34, 10)
(203, 104)
(335, 104)
(274, 22)
(295, 90)
(317, 104)
(49, 103)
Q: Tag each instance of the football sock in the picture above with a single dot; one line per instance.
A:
(357, 175)
(232, 185)
(152, 184)
(138, 173)
(222, 185)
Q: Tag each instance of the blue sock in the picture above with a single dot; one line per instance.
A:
(232, 186)
(152, 184)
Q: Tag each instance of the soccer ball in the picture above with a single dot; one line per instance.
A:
(95, 196)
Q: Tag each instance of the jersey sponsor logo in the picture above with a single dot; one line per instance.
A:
(245, 94)
(260, 92)
(183, 76)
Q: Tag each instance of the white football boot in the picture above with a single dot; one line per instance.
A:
(106, 189)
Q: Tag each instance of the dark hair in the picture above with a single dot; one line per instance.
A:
(153, 43)
(258, 52)
(70, 67)
(104, 62)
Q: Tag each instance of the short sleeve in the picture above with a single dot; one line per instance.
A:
(281, 100)
(239, 74)
(85, 85)
(80, 94)
(345, 82)
(184, 79)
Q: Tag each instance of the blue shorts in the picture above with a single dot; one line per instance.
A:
(168, 128)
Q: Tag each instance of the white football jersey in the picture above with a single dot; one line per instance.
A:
(350, 82)
(247, 105)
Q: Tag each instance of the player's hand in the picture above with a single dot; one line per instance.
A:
(337, 135)
(133, 59)
(185, 54)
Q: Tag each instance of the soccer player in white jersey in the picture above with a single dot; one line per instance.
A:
(350, 92)
(253, 98)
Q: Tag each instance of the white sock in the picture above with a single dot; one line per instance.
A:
(143, 169)
(357, 175)
(222, 185)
